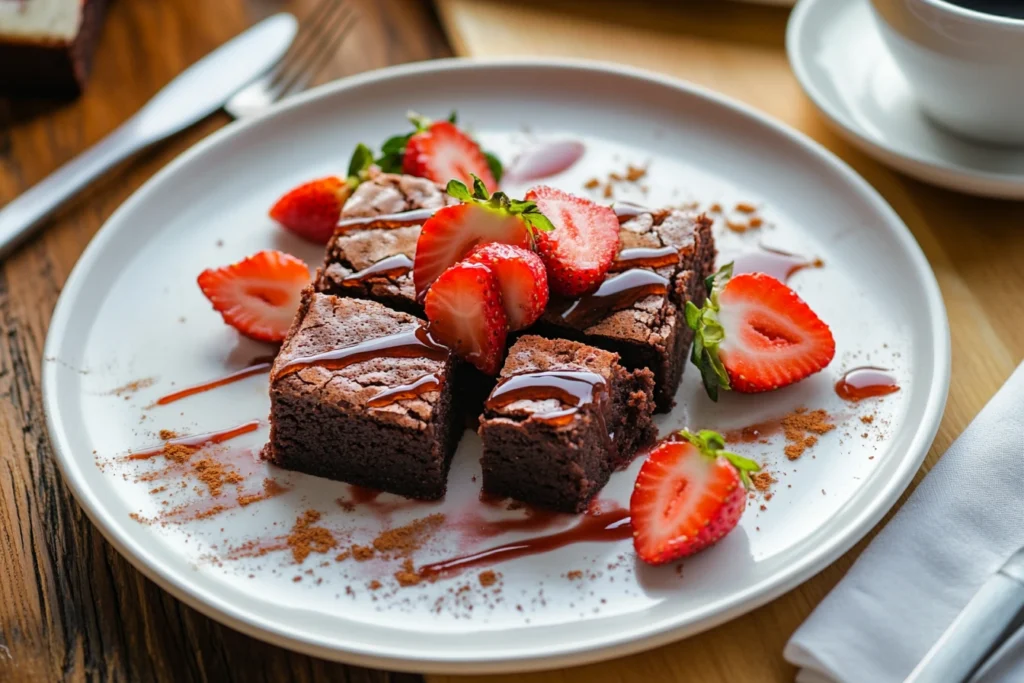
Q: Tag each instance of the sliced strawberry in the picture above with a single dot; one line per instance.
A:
(259, 295)
(756, 334)
(583, 245)
(688, 495)
(453, 231)
(312, 209)
(521, 278)
(442, 152)
(466, 314)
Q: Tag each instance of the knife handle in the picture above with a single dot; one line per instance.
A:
(28, 210)
(974, 634)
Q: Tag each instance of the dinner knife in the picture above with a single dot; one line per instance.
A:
(986, 621)
(193, 95)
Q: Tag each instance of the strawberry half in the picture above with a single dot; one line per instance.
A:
(581, 249)
(312, 209)
(756, 334)
(688, 495)
(466, 314)
(440, 151)
(448, 235)
(521, 278)
(259, 295)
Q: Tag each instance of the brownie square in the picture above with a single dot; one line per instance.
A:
(372, 258)
(563, 416)
(357, 395)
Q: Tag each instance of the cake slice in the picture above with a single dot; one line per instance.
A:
(562, 418)
(371, 254)
(46, 46)
(361, 394)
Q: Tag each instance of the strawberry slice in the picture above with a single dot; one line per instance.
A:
(581, 249)
(312, 209)
(448, 235)
(466, 314)
(756, 334)
(521, 278)
(259, 295)
(688, 495)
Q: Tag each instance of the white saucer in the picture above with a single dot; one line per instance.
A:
(838, 56)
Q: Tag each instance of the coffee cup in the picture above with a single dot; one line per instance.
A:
(964, 62)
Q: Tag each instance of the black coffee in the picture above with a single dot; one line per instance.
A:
(1002, 8)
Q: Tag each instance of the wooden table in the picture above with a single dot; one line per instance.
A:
(71, 608)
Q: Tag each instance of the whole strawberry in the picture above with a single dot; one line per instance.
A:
(755, 334)
(440, 151)
(312, 209)
(689, 494)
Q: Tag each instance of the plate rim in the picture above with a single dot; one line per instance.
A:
(951, 175)
(574, 653)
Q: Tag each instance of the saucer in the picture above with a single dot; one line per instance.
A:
(837, 53)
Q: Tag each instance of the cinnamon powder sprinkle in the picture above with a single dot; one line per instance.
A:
(178, 452)
(746, 207)
(574, 575)
(867, 419)
(763, 480)
(270, 489)
(802, 428)
(306, 538)
(592, 184)
(488, 578)
(167, 435)
(215, 475)
(361, 553)
(407, 576)
(404, 540)
(374, 585)
(736, 226)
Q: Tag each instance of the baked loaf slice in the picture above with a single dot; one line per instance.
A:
(46, 46)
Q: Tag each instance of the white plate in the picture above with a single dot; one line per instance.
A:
(131, 310)
(842, 64)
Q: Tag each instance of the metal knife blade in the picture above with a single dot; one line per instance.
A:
(196, 93)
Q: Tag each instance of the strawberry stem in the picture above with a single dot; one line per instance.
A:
(711, 444)
(709, 334)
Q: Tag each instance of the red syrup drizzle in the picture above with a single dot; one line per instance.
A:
(416, 343)
(197, 440)
(362, 495)
(615, 294)
(572, 388)
(867, 382)
(256, 366)
(389, 267)
(601, 526)
(387, 221)
(781, 265)
(545, 160)
(646, 257)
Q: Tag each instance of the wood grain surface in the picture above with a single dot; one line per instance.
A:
(71, 609)
(975, 246)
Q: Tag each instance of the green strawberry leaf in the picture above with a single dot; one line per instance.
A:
(711, 444)
(419, 121)
(501, 202)
(494, 163)
(453, 118)
(362, 159)
(709, 334)
(458, 190)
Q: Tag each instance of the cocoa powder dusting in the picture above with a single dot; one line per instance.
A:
(574, 575)
(167, 435)
(802, 428)
(178, 452)
(407, 576)
(763, 480)
(215, 475)
(374, 585)
(306, 538)
(270, 489)
(361, 553)
(404, 540)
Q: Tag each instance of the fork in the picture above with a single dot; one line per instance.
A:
(317, 40)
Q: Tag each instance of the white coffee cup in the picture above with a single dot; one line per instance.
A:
(965, 68)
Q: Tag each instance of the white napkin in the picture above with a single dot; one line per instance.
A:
(959, 526)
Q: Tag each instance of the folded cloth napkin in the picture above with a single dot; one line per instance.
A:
(956, 530)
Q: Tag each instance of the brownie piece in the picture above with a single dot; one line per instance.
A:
(638, 311)
(372, 259)
(46, 48)
(563, 416)
(358, 393)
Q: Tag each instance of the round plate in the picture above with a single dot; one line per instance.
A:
(843, 65)
(131, 326)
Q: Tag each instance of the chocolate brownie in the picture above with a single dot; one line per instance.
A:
(359, 393)
(638, 310)
(371, 254)
(563, 416)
